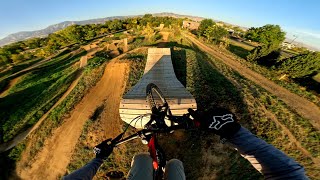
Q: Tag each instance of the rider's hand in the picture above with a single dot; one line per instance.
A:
(220, 121)
(104, 149)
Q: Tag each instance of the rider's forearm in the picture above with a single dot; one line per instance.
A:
(87, 171)
(267, 159)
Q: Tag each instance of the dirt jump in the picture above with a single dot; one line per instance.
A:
(159, 70)
(51, 162)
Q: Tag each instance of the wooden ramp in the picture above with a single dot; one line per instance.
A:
(158, 70)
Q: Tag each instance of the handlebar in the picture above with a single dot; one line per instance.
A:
(183, 123)
(144, 132)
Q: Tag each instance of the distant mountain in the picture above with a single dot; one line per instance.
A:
(20, 36)
(194, 18)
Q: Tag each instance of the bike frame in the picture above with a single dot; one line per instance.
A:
(150, 135)
(155, 126)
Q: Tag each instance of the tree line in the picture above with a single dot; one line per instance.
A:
(41, 47)
(269, 37)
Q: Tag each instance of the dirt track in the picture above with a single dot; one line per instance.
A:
(301, 105)
(52, 161)
(11, 84)
(17, 139)
(35, 65)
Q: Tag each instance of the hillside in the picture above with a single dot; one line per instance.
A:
(23, 35)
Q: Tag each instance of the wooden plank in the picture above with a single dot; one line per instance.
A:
(170, 101)
(146, 106)
(159, 70)
(136, 112)
(177, 94)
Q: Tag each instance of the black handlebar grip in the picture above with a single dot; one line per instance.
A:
(194, 114)
(196, 117)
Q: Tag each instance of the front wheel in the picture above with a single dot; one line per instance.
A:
(158, 105)
(155, 98)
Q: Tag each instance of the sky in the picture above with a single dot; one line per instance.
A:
(297, 17)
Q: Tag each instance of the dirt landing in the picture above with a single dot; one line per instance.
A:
(52, 161)
(165, 36)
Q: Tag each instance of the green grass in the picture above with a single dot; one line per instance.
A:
(92, 73)
(239, 51)
(19, 67)
(137, 63)
(214, 84)
(245, 45)
(35, 93)
(256, 119)
(56, 71)
(271, 74)
(317, 78)
(212, 89)
(82, 153)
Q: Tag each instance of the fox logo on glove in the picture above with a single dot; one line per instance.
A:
(219, 121)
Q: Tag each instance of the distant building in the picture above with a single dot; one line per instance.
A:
(190, 25)
(287, 45)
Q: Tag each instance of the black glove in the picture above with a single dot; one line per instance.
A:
(220, 121)
(104, 149)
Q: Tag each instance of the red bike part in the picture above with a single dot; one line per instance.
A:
(153, 152)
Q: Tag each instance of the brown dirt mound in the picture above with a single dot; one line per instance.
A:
(52, 161)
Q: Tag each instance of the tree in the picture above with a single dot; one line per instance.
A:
(215, 32)
(145, 19)
(90, 34)
(238, 31)
(73, 34)
(270, 37)
(17, 58)
(148, 31)
(258, 52)
(55, 41)
(4, 60)
(33, 43)
(204, 25)
(302, 65)
(114, 25)
(208, 32)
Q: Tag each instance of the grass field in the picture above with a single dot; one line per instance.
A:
(30, 98)
(260, 111)
(237, 53)
(34, 94)
(19, 67)
(91, 74)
